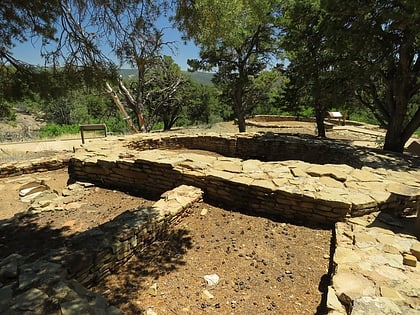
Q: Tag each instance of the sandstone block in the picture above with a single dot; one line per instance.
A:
(375, 305)
(415, 250)
(32, 299)
(297, 172)
(6, 295)
(333, 303)
(350, 285)
(409, 260)
(403, 190)
(364, 176)
(391, 293)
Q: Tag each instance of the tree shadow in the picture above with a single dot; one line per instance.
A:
(24, 236)
(159, 258)
(160, 253)
(325, 280)
(398, 224)
(317, 150)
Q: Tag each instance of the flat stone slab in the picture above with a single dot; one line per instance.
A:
(370, 272)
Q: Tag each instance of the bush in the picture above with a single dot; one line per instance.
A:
(115, 125)
(364, 116)
(158, 126)
(6, 111)
(55, 130)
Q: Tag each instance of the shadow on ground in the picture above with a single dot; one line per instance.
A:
(25, 237)
(161, 257)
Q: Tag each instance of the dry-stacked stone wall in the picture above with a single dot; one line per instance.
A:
(17, 168)
(324, 192)
(56, 283)
(96, 252)
(277, 147)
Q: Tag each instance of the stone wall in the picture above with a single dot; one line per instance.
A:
(17, 168)
(55, 284)
(292, 190)
(96, 252)
(374, 273)
(277, 147)
(261, 120)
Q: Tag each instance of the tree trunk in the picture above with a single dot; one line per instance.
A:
(120, 107)
(319, 116)
(241, 122)
(396, 135)
(402, 87)
(133, 105)
(238, 102)
(393, 141)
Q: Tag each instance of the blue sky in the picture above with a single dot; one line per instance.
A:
(30, 51)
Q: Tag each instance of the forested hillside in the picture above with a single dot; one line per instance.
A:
(198, 77)
(303, 58)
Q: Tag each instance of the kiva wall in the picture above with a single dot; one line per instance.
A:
(298, 192)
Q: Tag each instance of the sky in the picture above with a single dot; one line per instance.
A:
(29, 52)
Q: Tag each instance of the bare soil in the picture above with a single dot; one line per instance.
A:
(265, 266)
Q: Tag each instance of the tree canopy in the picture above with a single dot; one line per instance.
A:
(237, 39)
(357, 51)
(377, 46)
(310, 61)
(339, 53)
(21, 21)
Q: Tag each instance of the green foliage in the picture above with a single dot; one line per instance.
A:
(21, 20)
(200, 104)
(363, 115)
(165, 88)
(115, 125)
(204, 78)
(332, 66)
(56, 130)
(311, 81)
(268, 90)
(385, 73)
(158, 126)
(6, 111)
(237, 38)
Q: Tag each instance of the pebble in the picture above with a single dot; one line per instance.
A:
(207, 295)
(150, 311)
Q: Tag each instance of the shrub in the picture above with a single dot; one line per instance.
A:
(55, 130)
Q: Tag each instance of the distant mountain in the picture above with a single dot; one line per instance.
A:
(199, 77)
(128, 73)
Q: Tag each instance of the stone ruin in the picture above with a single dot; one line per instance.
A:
(329, 182)
(300, 179)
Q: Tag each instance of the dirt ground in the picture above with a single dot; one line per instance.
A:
(264, 266)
